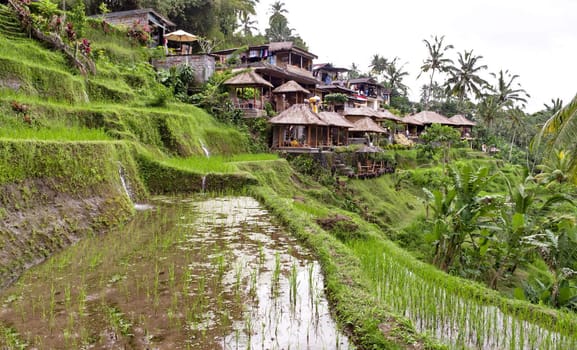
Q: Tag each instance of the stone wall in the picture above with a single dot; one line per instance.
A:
(203, 65)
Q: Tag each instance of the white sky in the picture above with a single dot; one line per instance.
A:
(536, 40)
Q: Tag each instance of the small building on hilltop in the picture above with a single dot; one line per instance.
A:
(465, 125)
(158, 24)
(297, 129)
(276, 62)
(416, 123)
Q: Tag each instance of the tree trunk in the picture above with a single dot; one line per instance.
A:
(512, 142)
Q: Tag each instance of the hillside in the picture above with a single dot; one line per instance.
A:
(79, 152)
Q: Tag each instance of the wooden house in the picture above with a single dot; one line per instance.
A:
(369, 92)
(288, 94)
(297, 129)
(416, 123)
(337, 131)
(465, 125)
(158, 24)
(276, 62)
(249, 93)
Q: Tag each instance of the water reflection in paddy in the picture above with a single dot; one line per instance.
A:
(272, 289)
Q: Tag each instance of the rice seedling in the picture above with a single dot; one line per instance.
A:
(450, 313)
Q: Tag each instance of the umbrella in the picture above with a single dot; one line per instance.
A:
(181, 36)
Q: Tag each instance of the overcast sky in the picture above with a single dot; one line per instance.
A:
(536, 40)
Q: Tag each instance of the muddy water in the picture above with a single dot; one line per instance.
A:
(184, 274)
(278, 283)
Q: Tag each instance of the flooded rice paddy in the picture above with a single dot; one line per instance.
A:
(463, 323)
(187, 274)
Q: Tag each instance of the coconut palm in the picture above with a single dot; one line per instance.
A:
(560, 132)
(394, 76)
(247, 24)
(507, 96)
(435, 61)
(556, 105)
(464, 79)
(517, 118)
(378, 64)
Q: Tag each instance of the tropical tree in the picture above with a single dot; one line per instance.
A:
(378, 64)
(560, 132)
(247, 24)
(394, 77)
(435, 61)
(557, 246)
(440, 138)
(507, 95)
(555, 170)
(464, 78)
(456, 213)
(516, 118)
(556, 105)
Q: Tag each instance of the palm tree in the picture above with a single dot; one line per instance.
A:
(517, 118)
(506, 95)
(278, 23)
(378, 64)
(247, 23)
(556, 105)
(464, 79)
(394, 76)
(555, 170)
(560, 132)
(277, 9)
(435, 61)
(354, 72)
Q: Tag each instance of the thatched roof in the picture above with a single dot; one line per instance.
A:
(298, 114)
(247, 79)
(288, 46)
(460, 120)
(367, 125)
(386, 114)
(335, 119)
(362, 111)
(290, 86)
(428, 117)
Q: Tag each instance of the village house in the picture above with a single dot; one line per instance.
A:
(282, 64)
(147, 17)
(369, 92)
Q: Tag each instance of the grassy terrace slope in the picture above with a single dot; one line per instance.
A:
(375, 284)
(65, 138)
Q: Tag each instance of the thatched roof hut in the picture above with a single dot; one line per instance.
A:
(288, 94)
(299, 114)
(248, 79)
(335, 119)
(388, 115)
(298, 127)
(290, 86)
(426, 118)
(460, 120)
(337, 132)
(360, 112)
(367, 125)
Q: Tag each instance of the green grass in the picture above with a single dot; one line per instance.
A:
(56, 134)
(216, 164)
